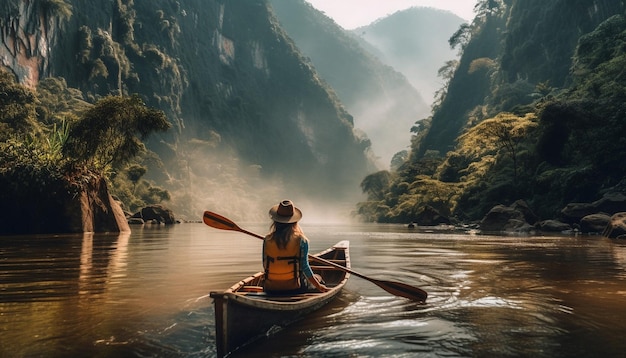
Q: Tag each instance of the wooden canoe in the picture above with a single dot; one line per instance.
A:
(244, 313)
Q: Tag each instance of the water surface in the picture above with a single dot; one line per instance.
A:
(145, 294)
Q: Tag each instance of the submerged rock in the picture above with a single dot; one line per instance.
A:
(616, 228)
(430, 216)
(503, 218)
(553, 226)
(157, 214)
(594, 223)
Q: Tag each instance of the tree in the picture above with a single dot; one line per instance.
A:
(111, 132)
(503, 132)
(376, 185)
(17, 107)
(398, 159)
(461, 37)
(57, 8)
(134, 173)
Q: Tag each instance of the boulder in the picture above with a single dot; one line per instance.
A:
(594, 223)
(553, 226)
(529, 215)
(430, 216)
(610, 203)
(62, 209)
(503, 218)
(157, 214)
(135, 221)
(99, 212)
(616, 228)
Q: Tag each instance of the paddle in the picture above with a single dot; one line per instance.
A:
(395, 288)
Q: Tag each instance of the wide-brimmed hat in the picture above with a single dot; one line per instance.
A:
(285, 212)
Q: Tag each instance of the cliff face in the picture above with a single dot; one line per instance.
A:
(26, 38)
(62, 210)
(541, 81)
(536, 48)
(224, 72)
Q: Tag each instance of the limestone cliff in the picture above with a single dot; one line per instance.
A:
(224, 72)
(57, 208)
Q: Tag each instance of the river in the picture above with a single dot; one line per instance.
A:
(145, 294)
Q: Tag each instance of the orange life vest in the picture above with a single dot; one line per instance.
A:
(282, 266)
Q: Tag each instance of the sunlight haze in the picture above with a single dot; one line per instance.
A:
(351, 14)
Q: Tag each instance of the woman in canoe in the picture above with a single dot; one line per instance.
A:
(285, 253)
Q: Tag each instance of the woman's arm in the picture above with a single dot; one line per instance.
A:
(320, 286)
(305, 268)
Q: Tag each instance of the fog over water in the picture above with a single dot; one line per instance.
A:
(218, 181)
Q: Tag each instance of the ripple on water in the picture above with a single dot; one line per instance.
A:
(488, 295)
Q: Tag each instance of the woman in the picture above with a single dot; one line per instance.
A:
(285, 253)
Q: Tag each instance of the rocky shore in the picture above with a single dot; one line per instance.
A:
(606, 217)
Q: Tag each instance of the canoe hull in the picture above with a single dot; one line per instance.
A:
(244, 314)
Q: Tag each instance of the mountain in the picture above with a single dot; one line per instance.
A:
(381, 99)
(533, 111)
(253, 121)
(415, 43)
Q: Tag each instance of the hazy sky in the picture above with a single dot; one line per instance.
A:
(351, 14)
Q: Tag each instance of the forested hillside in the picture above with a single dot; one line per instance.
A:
(252, 122)
(534, 111)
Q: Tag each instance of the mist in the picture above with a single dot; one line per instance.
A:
(213, 177)
(415, 43)
(387, 122)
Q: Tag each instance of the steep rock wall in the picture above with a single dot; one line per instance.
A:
(64, 210)
(26, 37)
(224, 72)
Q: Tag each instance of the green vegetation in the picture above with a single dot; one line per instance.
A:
(54, 142)
(543, 122)
(109, 134)
(56, 8)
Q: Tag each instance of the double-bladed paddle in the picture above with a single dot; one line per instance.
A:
(395, 288)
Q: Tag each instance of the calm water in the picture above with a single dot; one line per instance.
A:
(146, 295)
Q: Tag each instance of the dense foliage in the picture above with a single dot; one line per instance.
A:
(48, 148)
(534, 111)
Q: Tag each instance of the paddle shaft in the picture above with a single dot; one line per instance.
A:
(396, 288)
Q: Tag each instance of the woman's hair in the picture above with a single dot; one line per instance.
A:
(283, 232)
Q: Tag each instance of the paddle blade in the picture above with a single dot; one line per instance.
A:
(402, 290)
(219, 222)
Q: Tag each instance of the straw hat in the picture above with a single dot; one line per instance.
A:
(285, 212)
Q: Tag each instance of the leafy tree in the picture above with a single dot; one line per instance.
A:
(398, 159)
(17, 107)
(375, 185)
(503, 133)
(446, 73)
(56, 101)
(58, 8)
(134, 173)
(485, 8)
(110, 133)
(461, 36)
(429, 191)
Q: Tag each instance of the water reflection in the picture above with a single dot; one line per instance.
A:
(51, 287)
(145, 294)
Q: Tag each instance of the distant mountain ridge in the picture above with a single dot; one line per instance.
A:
(414, 42)
(381, 100)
